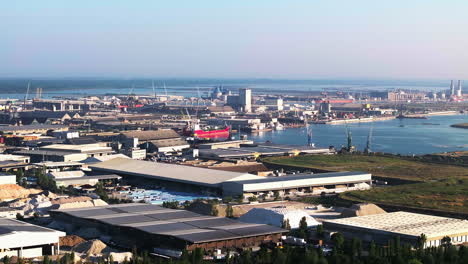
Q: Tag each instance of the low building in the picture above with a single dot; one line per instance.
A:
(259, 150)
(63, 105)
(161, 140)
(13, 163)
(25, 240)
(300, 183)
(380, 228)
(51, 166)
(6, 178)
(22, 159)
(221, 110)
(153, 227)
(28, 129)
(276, 216)
(66, 152)
(80, 180)
(225, 144)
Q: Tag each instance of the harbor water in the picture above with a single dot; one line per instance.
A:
(398, 136)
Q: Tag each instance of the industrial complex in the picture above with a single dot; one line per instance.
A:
(151, 226)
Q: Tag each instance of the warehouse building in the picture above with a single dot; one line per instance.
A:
(161, 140)
(173, 174)
(29, 129)
(246, 151)
(301, 183)
(25, 240)
(230, 183)
(153, 227)
(380, 228)
(66, 152)
(79, 178)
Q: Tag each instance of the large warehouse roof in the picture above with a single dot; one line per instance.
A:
(15, 234)
(182, 224)
(170, 172)
(405, 223)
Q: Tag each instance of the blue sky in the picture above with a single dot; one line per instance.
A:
(310, 39)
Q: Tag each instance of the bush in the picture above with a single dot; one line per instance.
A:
(253, 199)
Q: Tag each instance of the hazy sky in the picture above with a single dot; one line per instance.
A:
(308, 39)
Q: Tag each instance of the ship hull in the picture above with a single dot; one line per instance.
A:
(208, 134)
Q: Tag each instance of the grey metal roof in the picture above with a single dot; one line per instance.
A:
(44, 152)
(29, 127)
(182, 224)
(169, 172)
(11, 225)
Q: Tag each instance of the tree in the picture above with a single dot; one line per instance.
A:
(277, 196)
(279, 257)
(229, 211)
(101, 192)
(197, 256)
(285, 224)
(20, 178)
(372, 249)
(422, 239)
(253, 199)
(446, 241)
(46, 260)
(320, 232)
(214, 210)
(240, 199)
(19, 217)
(338, 241)
(303, 228)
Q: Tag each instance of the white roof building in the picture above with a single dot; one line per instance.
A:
(408, 226)
(276, 215)
(26, 240)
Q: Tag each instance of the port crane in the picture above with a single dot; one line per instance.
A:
(369, 139)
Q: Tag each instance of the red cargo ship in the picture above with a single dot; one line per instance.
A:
(206, 132)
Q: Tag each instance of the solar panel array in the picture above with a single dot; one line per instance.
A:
(182, 224)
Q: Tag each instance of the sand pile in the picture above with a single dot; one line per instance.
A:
(64, 200)
(92, 247)
(71, 241)
(362, 209)
(77, 202)
(13, 191)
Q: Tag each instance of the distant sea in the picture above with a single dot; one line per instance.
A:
(16, 88)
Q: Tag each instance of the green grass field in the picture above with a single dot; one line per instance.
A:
(392, 167)
(450, 195)
(442, 187)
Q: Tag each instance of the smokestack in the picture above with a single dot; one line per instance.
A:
(459, 90)
(452, 88)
